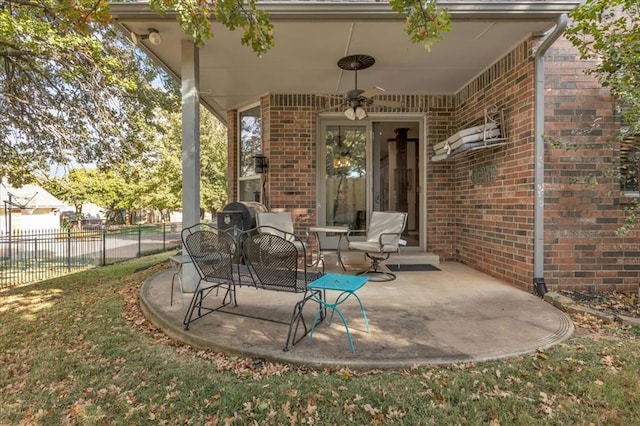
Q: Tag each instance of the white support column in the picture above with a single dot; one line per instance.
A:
(190, 149)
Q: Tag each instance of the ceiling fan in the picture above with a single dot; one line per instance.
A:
(357, 99)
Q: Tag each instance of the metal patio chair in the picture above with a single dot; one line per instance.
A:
(381, 240)
(273, 262)
(214, 256)
(281, 224)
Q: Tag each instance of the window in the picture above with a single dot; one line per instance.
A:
(250, 128)
(630, 163)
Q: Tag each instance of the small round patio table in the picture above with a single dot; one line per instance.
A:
(340, 230)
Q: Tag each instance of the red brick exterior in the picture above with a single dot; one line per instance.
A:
(290, 144)
(487, 223)
(582, 250)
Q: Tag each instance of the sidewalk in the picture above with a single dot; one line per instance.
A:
(449, 316)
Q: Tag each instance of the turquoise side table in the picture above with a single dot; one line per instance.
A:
(347, 285)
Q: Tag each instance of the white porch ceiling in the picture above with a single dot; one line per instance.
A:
(311, 37)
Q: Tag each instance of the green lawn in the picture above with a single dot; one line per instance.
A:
(76, 350)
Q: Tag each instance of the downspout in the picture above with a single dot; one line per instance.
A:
(538, 217)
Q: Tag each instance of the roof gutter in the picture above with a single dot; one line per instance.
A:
(372, 11)
(538, 217)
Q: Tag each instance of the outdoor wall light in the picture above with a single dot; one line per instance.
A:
(260, 163)
(153, 35)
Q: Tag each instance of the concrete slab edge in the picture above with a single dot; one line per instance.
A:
(568, 305)
(177, 333)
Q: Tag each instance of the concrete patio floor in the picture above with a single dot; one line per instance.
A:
(453, 315)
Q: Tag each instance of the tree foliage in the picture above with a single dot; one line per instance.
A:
(213, 163)
(80, 186)
(194, 17)
(425, 21)
(72, 89)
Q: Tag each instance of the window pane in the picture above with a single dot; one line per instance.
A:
(346, 175)
(629, 163)
(250, 139)
(249, 190)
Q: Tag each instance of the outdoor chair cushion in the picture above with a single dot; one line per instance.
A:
(280, 224)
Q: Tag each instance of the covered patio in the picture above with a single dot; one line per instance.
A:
(454, 315)
(331, 169)
(464, 211)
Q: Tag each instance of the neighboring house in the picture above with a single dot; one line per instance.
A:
(90, 211)
(510, 207)
(28, 208)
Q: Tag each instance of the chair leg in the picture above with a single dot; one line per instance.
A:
(197, 302)
(374, 272)
(173, 280)
(297, 318)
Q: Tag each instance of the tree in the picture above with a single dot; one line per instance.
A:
(213, 168)
(75, 188)
(72, 88)
(163, 182)
(80, 186)
(425, 21)
(607, 32)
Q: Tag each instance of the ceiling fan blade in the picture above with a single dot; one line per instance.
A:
(333, 104)
(332, 97)
(390, 104)
(372, 92)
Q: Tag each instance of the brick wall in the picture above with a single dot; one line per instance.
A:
(291, 146)
(440, 220)
(582, 250)
(490, 219)
(487, 223)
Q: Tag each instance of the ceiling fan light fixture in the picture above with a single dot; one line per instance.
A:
(350, 113)
(360, 113)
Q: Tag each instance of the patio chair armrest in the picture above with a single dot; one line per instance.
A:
(304, 236)
(388, 236)
(354, 232)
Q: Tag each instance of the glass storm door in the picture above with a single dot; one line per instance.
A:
(345, 176)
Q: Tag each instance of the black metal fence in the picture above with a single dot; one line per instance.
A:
(30, 256)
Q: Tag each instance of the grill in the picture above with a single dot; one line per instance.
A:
(239, 215)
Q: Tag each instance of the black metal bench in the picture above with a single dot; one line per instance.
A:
(260, 260)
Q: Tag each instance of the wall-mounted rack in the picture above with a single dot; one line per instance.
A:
(491, 133)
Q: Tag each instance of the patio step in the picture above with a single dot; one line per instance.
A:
(402, 258)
